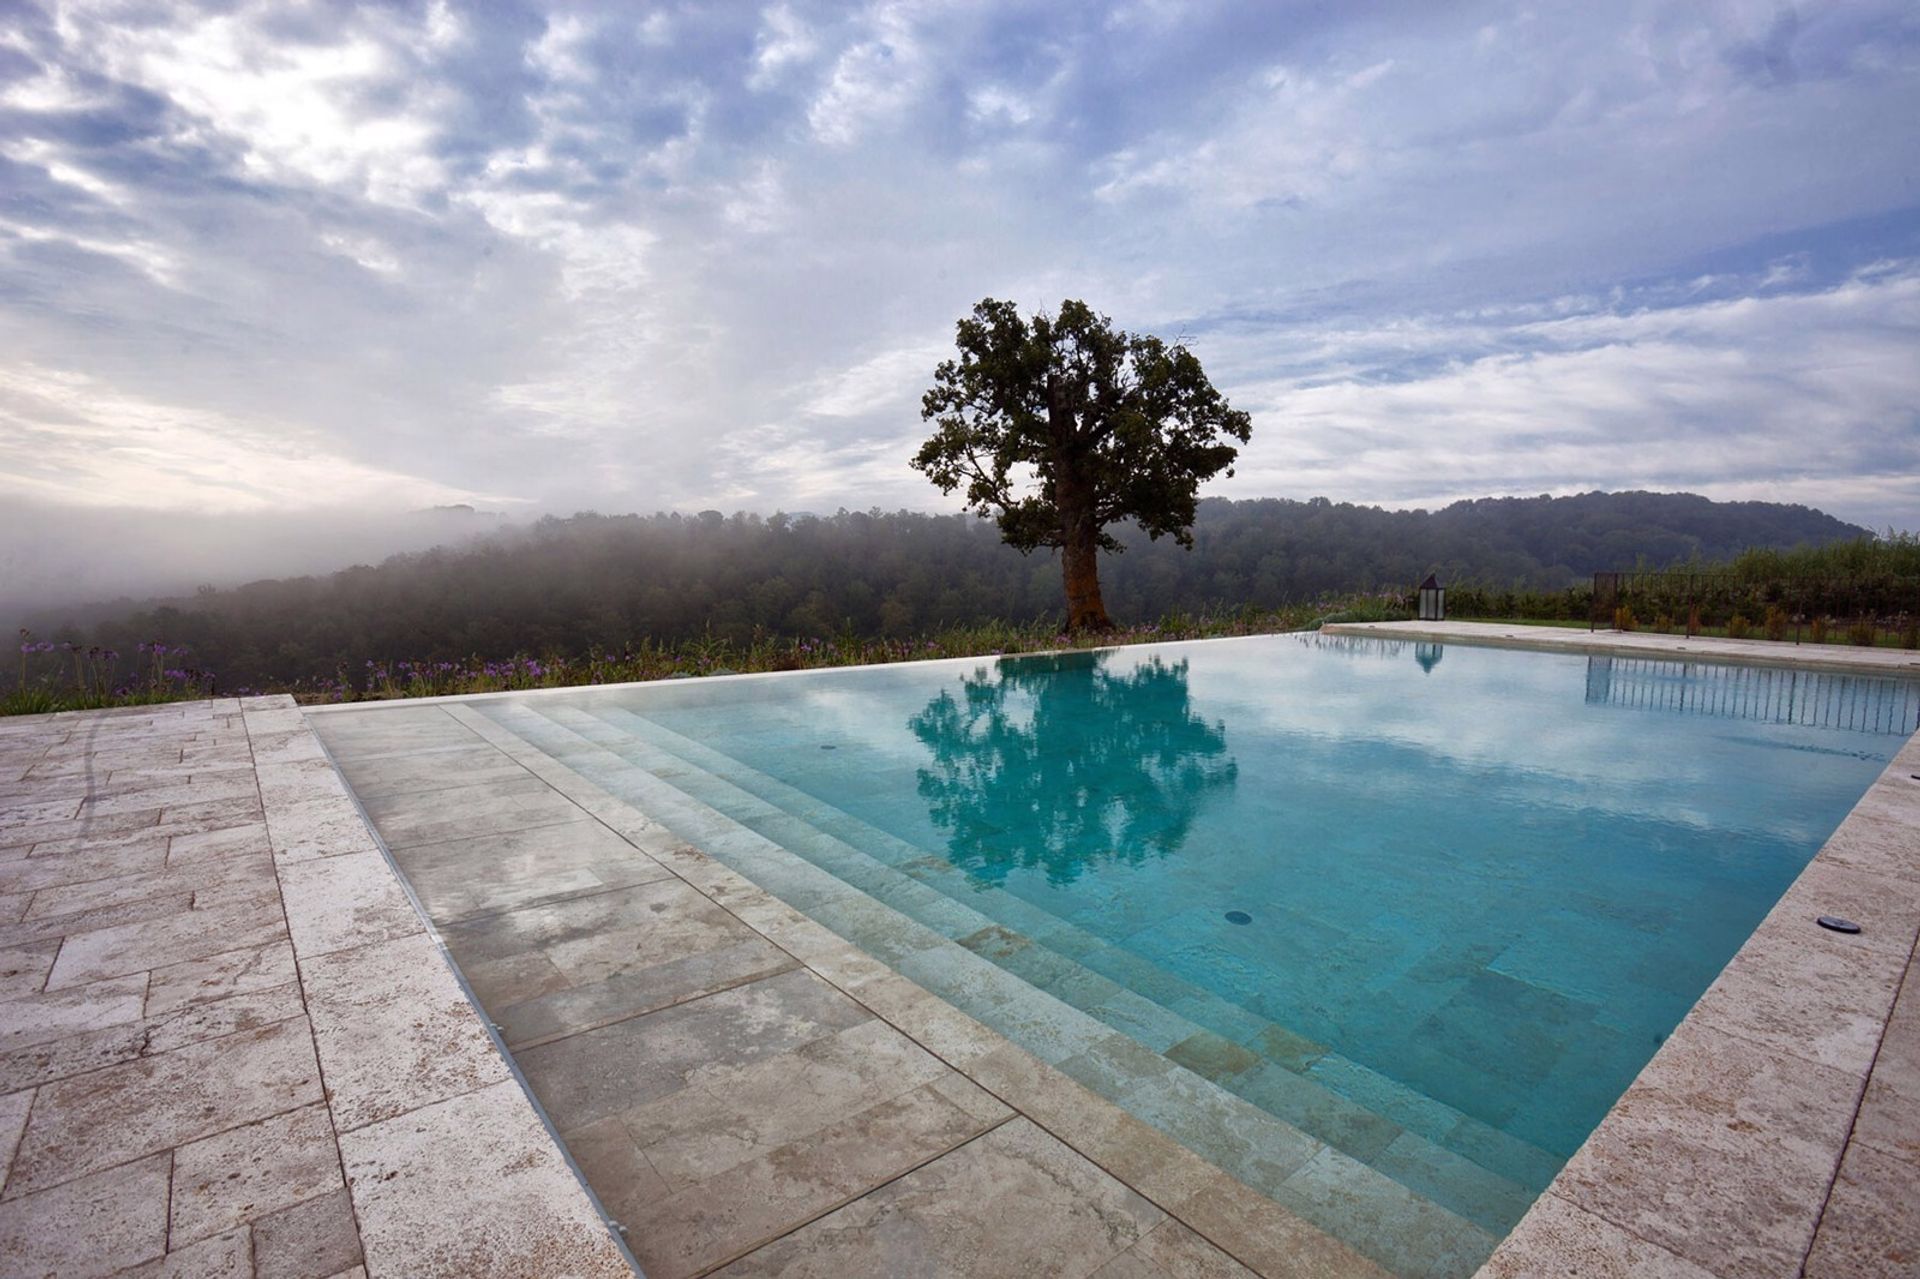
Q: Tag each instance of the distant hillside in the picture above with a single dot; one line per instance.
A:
(614, 581)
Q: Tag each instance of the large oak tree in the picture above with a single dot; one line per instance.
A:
(1060, 426)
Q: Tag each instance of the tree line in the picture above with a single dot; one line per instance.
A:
(568, 585)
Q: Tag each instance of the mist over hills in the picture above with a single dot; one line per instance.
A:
(55, 557)
(611, 581)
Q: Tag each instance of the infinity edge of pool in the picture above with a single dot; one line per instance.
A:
(1163, 1169)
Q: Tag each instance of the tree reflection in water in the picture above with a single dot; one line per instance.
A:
(1056, 763)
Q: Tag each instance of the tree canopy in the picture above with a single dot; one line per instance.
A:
(1061, 426)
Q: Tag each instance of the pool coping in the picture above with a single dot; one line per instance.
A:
(350, 907)
(1758, 1092)
(1648, 644)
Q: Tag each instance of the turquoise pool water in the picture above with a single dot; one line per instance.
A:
(1389, 893)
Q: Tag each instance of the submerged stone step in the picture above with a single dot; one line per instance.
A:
(1403, 1231)
(1498, 1174)
(987, 970)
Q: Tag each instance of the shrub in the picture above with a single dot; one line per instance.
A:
(1863, 633)
(1738, 627)
(1663, 622)
(1910, 633)
(1818, 630)
(1776, 622)
(1693, 622)
(1623, 618)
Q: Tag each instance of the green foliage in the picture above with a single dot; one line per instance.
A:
(1889, 557)
(713, 655)
(1866, 586)
(74, 677)
(1371, 608)
(1059, 427)
(1114, 426)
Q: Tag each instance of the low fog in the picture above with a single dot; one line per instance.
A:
(61, 557)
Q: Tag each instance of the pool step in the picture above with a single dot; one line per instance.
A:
(1396, 1226)
(1248, 1055)
(837, 884)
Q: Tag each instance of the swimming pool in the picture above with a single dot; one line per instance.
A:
(1432, 907)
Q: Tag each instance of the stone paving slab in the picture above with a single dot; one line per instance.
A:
(1672, 648)
(228, 1044)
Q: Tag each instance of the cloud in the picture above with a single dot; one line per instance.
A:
(64, 437)
(265, 253)
(1783, 396)
(872, 80)
(888, 380)
(784, 42)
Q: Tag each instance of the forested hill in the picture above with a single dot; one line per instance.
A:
(567, 584)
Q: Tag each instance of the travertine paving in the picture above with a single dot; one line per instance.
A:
(1649, 644)
(228, 1046)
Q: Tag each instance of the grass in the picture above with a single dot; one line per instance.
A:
(47, 701)
(95, 687)
(68, 677)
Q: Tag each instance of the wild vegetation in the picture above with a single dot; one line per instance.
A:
(71, 677)
(596, 598)
(1863, 591)
(98, 679)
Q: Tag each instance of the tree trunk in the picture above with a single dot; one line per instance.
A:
(1080, 566)
(1079, 531)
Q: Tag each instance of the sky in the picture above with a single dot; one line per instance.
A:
(336, 263)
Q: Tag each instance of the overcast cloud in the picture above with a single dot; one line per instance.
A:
(323, 259)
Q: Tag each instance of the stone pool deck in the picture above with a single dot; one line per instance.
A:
(1777, 1131)
(228, 1044)
(1844, 658)
(232, 1041)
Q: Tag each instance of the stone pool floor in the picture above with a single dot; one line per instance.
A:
(1777, 1131)
(747, 1092)
(230, 1045)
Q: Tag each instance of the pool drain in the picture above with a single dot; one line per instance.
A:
(1836, 924)
(1239, 917)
